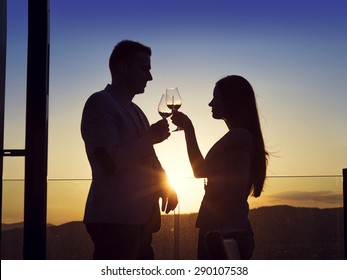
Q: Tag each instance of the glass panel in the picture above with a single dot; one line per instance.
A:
(66, 200)
(299, 218)
(66, 234)
(295, 218)
(12, 210)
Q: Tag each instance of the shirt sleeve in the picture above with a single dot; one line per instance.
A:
(100, 127)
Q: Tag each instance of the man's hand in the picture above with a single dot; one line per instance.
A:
(169, 201)
(158, 132)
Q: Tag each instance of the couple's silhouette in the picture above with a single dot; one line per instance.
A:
(122, 209)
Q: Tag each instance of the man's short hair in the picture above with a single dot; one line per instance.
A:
(124, 51)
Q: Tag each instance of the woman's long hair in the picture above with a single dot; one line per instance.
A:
(239, 96)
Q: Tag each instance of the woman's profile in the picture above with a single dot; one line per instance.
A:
(234, 168)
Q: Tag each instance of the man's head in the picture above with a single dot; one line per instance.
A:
(130, 65)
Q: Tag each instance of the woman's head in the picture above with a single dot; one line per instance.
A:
(234, 101)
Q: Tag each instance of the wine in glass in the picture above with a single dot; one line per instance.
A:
(163, 109)
(173, 100)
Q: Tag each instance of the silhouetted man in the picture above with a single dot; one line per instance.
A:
(122, 209)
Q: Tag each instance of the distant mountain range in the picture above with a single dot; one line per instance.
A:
(5, 227)
(281, 232)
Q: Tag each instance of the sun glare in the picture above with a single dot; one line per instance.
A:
(189, 189)
(177, 180)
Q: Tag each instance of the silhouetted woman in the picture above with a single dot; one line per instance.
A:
(235, 167)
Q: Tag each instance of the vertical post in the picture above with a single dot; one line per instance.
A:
(345, 208)
(177, 233)
(36, 138)
(3, 38)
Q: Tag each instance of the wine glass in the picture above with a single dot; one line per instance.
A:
(163, 109)
(173, 100)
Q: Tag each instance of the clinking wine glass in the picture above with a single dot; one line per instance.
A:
(173, 100)
(163, 109)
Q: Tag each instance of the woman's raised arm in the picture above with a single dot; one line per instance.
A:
(196, 159)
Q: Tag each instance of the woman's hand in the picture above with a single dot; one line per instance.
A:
(181, 120)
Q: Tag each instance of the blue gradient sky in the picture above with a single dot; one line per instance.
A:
(292, 52)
